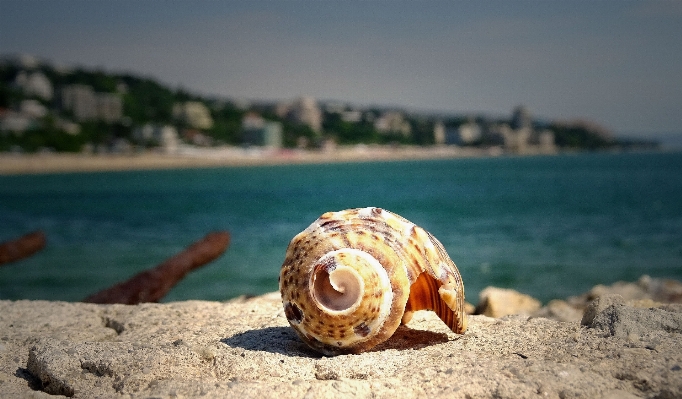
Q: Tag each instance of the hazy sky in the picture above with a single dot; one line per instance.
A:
(618, 63)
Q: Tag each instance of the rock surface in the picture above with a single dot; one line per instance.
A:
(643, 293)
(646, 292)
(245, 348)
(500, 302)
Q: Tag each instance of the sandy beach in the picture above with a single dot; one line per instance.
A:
(191, 157)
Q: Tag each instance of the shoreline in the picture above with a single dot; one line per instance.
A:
(193, 157)
(189, 157)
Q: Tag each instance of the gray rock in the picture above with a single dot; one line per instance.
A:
(623, 321)
(500, 302)
(559, 310)
(245, 348)
(646, 292)
(598, 305)
(661, 290)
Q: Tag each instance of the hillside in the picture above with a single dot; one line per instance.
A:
(45, 108)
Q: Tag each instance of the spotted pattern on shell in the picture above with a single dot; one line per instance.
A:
(352, 277)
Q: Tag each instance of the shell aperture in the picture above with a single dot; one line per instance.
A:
(352, 277)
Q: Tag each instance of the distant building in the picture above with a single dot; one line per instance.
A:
(165, 136)
(493, 134)
(144, 134)
(468, 133)
(79, 99)
(121, 87)
(259, 132)
(327, 145)
(88, 105)
(109, 107)
(32, 109)
(197, 138)
(194, 114)
(439, 133)
(520, 137)
(282, 109)
(516, 140)
(352, 116)
(304, 111)
(521, 118)
(346, 113)
(69, 127)
(241, 104)
(546, 142)
(34, 84)
(393, 122)
(451, 136)
(335, 107)
(252, 121)
(15, 122)
(27, 117)
(120, 146)
(369, 116)
(465, 134)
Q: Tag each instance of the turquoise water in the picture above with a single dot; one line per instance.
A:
(548, 226)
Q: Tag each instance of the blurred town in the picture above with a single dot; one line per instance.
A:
(45, 108)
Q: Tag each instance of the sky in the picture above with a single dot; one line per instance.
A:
(616, 63)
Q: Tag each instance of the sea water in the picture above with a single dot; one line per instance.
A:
(549, 226)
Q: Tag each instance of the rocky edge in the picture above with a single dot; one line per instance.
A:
(245, 348)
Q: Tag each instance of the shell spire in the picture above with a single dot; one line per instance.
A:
(352, 277)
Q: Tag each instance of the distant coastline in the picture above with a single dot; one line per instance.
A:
(193, 157)
(122, 122)
(12, 164)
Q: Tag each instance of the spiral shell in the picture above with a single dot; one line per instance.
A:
(351, 278)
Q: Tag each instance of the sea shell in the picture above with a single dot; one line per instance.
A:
(352, 277)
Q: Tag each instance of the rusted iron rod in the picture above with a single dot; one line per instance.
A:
(22, 247)
(153, 284)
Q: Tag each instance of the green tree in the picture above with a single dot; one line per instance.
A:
(147, 101)
(349, 132)
(422, 131)
(579, 136)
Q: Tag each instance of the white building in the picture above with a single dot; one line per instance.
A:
(34, 84)
(546, 143)
(165, 136)
(69, 127)
(516, 140)
(522, 138)
(306, 112)
(194, 114)
(15, 122)
(252, 121)
(439, 133)
(468, 133)
(79, 99)
(109, 107)
(32, 109)
(392, 122)
(88, 105)
(352, 116)
(259, 132)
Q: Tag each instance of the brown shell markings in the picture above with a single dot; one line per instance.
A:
(352, 277)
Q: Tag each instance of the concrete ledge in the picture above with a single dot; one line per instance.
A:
(245, 348)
